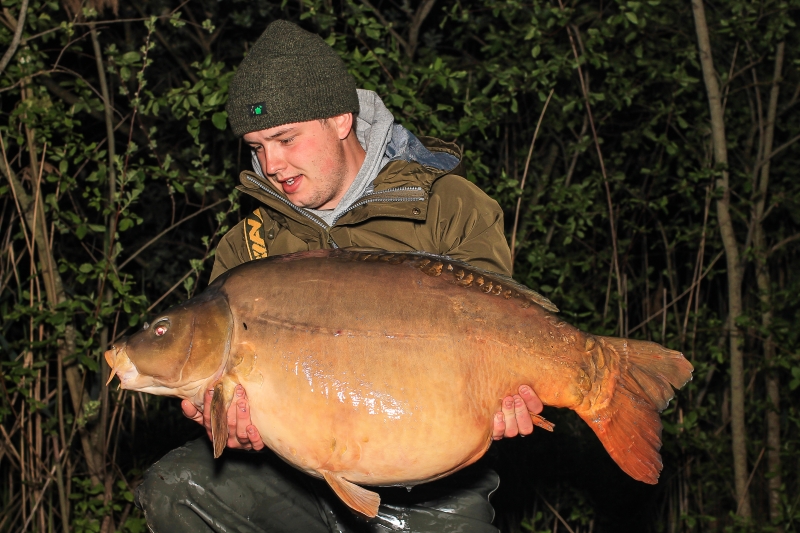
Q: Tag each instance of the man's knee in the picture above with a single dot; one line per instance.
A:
(459, 503)
(170, 484)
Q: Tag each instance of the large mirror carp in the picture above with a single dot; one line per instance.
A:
(352, 359)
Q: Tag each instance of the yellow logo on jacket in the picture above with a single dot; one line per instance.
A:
(254, 235)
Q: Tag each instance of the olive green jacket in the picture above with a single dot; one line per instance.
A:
(412, 208)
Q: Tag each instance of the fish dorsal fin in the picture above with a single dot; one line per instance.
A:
(465, 274)
(358, 498)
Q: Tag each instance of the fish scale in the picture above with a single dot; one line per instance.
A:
(371, 350)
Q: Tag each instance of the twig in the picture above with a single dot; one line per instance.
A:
(386, 23)
(525, 175)
(177, 283)
(783, 243)
(175, 225)
(553, 510)
(681, 295)
(780, 148)
(750, 479)
(585, 91)
(12, 49)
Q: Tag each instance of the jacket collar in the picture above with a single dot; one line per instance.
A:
(401, 190)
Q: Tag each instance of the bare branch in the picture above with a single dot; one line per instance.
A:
(12, 49)
(175, 225)
(783, 243)
(585, 91)
(525, 175)
(387, 24)
(413, 32)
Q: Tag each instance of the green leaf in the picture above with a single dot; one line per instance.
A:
(220, 119)
(632, 17)
(131, 57)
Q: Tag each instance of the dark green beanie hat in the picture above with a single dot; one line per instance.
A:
(290, 75)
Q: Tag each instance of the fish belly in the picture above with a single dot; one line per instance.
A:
(381, 411)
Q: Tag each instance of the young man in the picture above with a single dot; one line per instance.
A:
(332, 169)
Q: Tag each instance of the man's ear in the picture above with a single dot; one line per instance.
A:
(343, 124)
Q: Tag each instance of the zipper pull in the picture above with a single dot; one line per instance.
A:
(331, 241)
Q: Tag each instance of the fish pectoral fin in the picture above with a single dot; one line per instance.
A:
(357, 498)
(219, 418)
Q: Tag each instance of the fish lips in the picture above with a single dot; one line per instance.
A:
(121, 365)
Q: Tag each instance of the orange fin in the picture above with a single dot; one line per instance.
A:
(542, 422)
(628, 423)
(358, 498)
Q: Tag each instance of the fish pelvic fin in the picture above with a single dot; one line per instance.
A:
(220, 402)
(357, 498)
(628, 423)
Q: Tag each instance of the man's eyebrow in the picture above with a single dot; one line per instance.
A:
(280, 132)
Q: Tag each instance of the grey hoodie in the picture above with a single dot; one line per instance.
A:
(383, 141)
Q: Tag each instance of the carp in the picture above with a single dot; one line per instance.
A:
(351, 358)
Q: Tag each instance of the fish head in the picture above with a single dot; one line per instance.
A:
(179, 353)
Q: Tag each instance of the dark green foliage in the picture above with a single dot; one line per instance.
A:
(477, 72)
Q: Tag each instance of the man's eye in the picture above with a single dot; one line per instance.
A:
(287, 141)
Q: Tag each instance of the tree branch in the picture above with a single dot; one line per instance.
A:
(783, 243)
(12, 49)
(386, 23)
(416, 22)
(734, 271)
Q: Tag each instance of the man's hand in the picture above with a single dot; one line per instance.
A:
(242, 434)
(514, 416)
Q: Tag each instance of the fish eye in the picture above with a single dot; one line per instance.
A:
(161, 327)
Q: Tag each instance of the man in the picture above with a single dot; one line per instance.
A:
(332, 169)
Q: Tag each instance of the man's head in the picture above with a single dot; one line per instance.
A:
(292, 100)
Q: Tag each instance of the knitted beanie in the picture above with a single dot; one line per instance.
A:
(290, 75)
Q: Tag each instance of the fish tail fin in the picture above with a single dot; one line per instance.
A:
(626, 418)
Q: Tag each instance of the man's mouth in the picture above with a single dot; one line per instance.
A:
(292, 184)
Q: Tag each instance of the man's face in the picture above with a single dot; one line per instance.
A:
(306, 160)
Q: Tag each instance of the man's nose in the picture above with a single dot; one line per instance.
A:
(274, 161)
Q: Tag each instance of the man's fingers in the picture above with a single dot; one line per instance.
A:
(522, 416)
(191, 412)
(242, 421)
(238, 419)
(233, 409)
(498, 426)
(255, 438)
(509, 414)
(532, 402)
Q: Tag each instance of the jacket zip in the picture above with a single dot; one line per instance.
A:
(321, 223)
(365, 201)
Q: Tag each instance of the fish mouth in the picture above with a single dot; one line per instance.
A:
(121, 366)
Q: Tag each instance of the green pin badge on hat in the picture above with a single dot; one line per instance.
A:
(290, 75)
